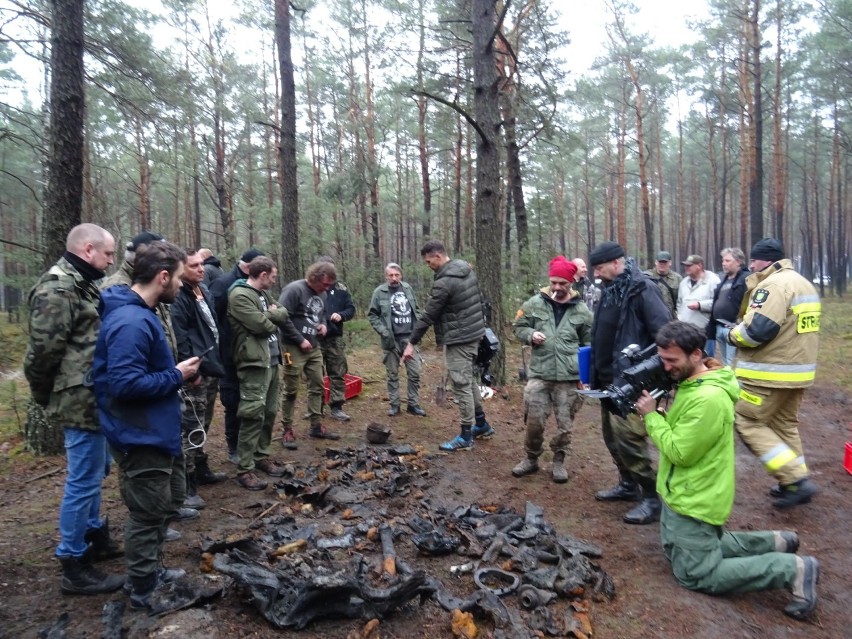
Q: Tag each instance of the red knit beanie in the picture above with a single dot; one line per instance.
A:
(560, 267)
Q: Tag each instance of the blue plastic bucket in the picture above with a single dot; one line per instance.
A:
(584, 355)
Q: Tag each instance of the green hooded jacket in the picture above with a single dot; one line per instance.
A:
(556, 359)
(252, 326)
(696, 444)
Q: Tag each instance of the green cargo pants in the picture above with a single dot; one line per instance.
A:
(709, 559)
(257, 411)
(413, 368)
(153, 487)
(311, 364)
(459, 359)
(336, 367)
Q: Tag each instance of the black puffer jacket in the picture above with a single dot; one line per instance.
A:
(454, 307)
(641, 315)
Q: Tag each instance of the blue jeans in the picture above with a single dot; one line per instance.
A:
(81, 505)
(727, 351)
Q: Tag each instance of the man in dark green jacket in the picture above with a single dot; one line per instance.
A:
(554, 323)
(455, 310)
(392, 314)
(254, 319)
(696, 483)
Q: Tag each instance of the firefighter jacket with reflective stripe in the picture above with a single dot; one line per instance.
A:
(778, 338)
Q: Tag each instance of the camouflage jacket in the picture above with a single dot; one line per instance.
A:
(64, 324)
(124, 275)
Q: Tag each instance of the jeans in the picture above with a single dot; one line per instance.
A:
(86, 453)
(727, 351)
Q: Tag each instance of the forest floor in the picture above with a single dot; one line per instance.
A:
(648, 601)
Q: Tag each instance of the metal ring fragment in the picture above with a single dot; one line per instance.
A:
(511, 580)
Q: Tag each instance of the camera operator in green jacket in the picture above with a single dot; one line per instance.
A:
(696, 484)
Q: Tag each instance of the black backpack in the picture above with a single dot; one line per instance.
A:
(489, 345)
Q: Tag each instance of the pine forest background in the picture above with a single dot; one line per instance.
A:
(361, 128)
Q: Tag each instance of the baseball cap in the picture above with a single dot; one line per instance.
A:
(145, 237)
(664, 256)
(249, 255)
(693, 259)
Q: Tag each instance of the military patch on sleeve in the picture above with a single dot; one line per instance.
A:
(519, 314)
(759, 298)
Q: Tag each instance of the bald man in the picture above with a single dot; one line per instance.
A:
(64, 325)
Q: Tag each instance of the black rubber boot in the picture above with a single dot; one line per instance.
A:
(79, 577)
(203, 474)
(101, 545)
(646, 512)
(625, 490)
(193, 499)
(141, 589)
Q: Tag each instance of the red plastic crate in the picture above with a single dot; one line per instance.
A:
(847, 458)
(353, 387)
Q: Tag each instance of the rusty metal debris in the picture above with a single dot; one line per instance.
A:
(353, 556)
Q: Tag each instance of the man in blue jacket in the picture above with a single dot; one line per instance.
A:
(136, 384)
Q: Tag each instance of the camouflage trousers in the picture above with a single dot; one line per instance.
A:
(153, 487)
(541, 397)
(212, 392)
(627, 442)
(413, 368)
(193, 417)
(767, 420)
(336, 367)
(459, 359)
(310, 364)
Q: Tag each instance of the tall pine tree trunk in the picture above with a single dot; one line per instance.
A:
(487, 116)
(290, 266)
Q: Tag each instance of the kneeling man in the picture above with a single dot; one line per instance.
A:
(695, 481)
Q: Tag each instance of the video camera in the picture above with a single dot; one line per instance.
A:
(645, 371)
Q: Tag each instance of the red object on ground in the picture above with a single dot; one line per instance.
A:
(353, 387)
(847, 458)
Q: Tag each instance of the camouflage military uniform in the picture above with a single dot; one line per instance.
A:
(64, 324)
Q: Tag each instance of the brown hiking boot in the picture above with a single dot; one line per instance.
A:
(250, 481)
(288, 439)
(318, 431)
(270, 468)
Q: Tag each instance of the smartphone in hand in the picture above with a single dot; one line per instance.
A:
(201, 356)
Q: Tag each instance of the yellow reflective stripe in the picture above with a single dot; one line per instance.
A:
(742, 337)
(778, 457)
(807, 307)
(751, 399)
(770, 376)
